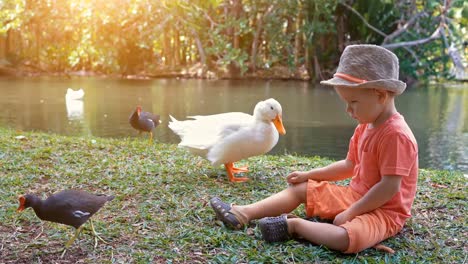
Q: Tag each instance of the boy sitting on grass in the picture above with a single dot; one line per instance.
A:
(382, 160)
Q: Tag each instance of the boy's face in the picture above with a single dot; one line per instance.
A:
(364, 105)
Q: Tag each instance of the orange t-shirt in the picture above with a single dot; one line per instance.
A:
(389, 149)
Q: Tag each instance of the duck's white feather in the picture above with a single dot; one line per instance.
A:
(229, 137)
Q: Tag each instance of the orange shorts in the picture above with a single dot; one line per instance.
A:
(326, 200)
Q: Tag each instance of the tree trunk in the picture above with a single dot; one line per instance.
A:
(12, 46)
(189, 53)
(257, 37)
(298, 36)
(255, 43)
(3, 46)
(201, 51)
(236, 10)
(340, 29)
(167, 47)
(176, 47)
(183, 53)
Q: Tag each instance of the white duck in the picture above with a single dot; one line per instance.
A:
(74, 95)
(229, 137)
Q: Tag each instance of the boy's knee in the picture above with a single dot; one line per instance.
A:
(343, 236)
(299, 191)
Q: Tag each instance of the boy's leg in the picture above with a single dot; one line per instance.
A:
(324, 200)
(329, 235)
(236, 216)
(283, 202)
(361, 232)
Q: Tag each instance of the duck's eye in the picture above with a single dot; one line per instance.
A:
(271, 107)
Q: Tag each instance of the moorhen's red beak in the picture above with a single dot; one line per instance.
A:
(22, 201)
(138, 110)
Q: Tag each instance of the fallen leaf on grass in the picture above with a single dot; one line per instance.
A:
(384, 249)
(436, 185)
(220, 223)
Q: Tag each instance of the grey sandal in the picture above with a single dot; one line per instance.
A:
(274, 229)
(224, 213)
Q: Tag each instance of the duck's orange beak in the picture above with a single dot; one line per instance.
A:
(278, 122)
(22, 201)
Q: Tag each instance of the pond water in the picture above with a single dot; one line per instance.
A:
(314, 117)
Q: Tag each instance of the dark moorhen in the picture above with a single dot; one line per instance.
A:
(69, 207)
(144, 121)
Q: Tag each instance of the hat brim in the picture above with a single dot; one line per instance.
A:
(396, 86)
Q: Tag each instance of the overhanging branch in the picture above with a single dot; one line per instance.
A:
(403, 28)
(363, 19)
(377, 30)
(434, 36)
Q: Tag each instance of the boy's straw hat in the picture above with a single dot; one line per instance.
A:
(367, 66)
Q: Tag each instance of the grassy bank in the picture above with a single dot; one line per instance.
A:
(161, 212)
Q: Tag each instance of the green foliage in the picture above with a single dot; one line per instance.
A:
(425, 61)
(134, 37)
(10, 15)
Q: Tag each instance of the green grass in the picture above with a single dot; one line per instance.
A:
(161, 212)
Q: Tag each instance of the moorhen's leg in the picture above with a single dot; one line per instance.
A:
(96, 236)
(78, 231)
(151, 137)
(71, 240)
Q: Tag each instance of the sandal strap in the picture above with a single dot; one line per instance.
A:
(224, 213)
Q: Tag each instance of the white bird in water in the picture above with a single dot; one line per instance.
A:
(229, 137)
(74, 95)
(74, 103)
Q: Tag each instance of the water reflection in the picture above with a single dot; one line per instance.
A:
(75, 109)
(447, 139)
(314, 117)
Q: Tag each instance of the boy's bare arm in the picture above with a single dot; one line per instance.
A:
(377, 196)
(336, 171)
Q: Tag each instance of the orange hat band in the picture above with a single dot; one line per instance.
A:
(349, 78)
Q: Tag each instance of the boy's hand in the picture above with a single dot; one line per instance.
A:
(343, 217)
(297, 177)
